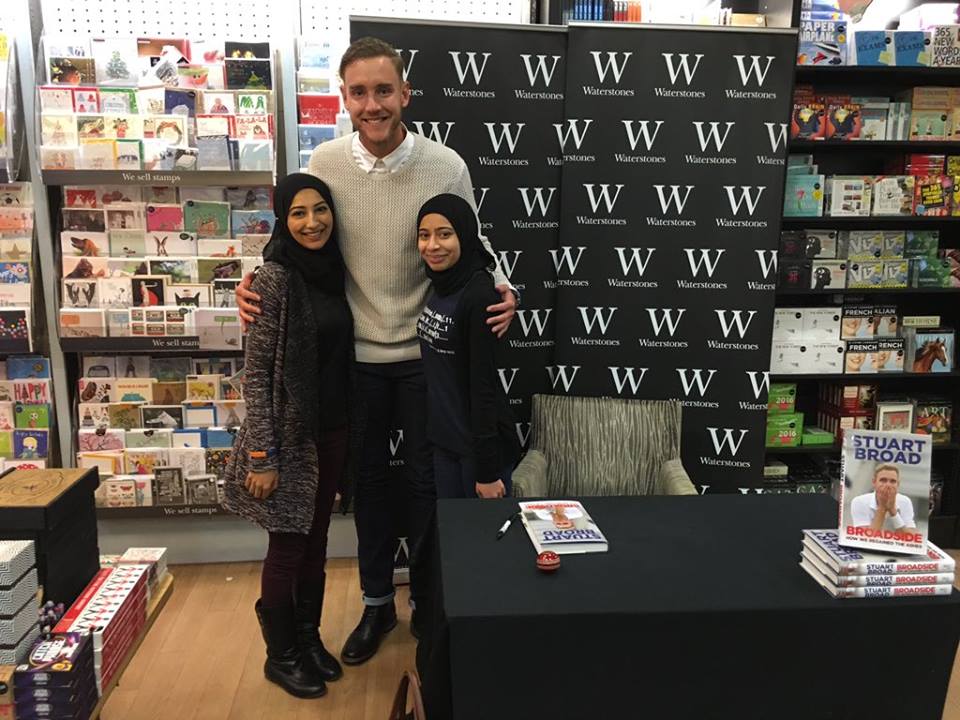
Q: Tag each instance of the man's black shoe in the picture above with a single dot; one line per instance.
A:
(365, 639)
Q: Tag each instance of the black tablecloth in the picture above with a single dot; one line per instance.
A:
(698, 610)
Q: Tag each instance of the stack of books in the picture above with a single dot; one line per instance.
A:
(850, 573)
(113, 611)
(57, 678)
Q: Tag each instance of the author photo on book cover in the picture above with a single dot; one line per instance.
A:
(884, 507)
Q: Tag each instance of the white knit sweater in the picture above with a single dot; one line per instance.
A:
(376, 215)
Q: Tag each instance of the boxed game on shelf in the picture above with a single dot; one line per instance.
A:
(57, 678)
(112, 611)
(18, 600)
(159, 429)
(156, 104)
(159, 261)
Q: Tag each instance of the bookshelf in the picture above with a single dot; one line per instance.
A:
(873, 158)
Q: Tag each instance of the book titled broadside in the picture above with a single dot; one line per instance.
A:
(875, 580)
(871, 591)
(825, 544)
(563, 526)
(884, 500)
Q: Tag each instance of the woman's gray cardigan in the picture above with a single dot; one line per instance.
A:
(282, 372)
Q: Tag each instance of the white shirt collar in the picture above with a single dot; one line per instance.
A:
(370, 163)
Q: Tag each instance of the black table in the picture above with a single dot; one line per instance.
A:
(698, 610)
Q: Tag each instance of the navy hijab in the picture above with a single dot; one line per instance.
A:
(465, 223)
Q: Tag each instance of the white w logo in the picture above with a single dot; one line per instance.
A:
(674, 198)
(602, 322)
(537, 200)
(777, 132)
(674, 71)
(611, 64)
(727, 441)
(559, 372)
(434, 133)
(768, 261)
(746, 196)
(564, 256)
(754, 70)
(507, 383)
(523, 435)
(540, 69)
(737, 321)
(666, 319)
(572, 129)
(763, 386)
(534, 321)
(396, 440)
(644, 132)
(634, 259)
(696, 264)
(604, 196)
(471, 65)
(697, 380)
(713, 134)
(508, 265)
(407, 65)
(504, 134)
(483, 196)
(621, 382)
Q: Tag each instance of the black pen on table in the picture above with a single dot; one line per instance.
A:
(506, 526)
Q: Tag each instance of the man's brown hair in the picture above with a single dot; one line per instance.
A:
(370, 47)
(887, 466)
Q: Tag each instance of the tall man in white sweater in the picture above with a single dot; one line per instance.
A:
(380, 176)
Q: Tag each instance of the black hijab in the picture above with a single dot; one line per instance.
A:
(321, 268)
(465, 223)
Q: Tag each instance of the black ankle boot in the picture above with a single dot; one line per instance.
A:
(309, 642)
(285, 666)
(365, 639)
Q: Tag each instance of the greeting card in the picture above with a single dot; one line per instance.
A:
(164, 218)
(207, 219)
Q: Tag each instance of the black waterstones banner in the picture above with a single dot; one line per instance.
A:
(671, 204)
(495, 95)
(648, 269)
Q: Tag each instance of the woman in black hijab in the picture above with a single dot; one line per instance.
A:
(290, 452)
(468, 418)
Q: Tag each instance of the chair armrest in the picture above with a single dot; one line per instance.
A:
(674, 479)
(530, 476)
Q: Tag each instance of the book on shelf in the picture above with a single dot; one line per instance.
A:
(822, 42)
(803, 196)
(872, 48)
(885, 488)
(563, 526)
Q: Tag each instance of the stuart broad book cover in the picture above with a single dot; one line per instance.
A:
(885, 492)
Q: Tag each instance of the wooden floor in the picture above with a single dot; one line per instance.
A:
(204, 656)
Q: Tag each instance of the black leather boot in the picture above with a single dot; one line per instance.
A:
(365, 639)
(309, 642)
(285, 666)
